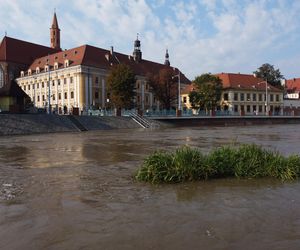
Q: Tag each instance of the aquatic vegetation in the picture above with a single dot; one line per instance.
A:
(190, 164)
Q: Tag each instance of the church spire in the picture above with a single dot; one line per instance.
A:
(137, 53)
(55, 33)
(167, 61)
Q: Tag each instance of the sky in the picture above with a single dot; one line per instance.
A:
(201, 35)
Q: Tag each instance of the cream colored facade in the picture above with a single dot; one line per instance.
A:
(246, 102)
(77, 87)
(252, 102)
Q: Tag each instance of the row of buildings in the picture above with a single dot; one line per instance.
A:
(75, 79)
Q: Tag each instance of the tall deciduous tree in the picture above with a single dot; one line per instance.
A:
(165, 87)
(270, 74)
(121, 81)
(207, 92)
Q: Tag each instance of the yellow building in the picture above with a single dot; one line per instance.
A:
(244, 94)
(77, 76)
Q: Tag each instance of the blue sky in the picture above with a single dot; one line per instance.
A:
(201, 35)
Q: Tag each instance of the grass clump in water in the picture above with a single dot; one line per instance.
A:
(246, 161)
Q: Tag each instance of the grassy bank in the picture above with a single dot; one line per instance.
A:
(189, 164)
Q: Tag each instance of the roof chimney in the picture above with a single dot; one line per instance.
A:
(111, 50)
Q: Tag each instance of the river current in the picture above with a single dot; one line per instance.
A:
(76, 191)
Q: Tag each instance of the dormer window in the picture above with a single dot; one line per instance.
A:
(37, 70)
(66, 63)
(46, 68)
(56, 65)
(22, 73)
(29, 72)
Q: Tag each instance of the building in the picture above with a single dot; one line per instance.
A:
(15, 56)
(245, 94)
(292, 96)
(76, 78)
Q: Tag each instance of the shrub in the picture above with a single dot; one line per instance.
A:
(246, 161)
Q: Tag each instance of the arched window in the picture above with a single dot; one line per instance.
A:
(1, 77)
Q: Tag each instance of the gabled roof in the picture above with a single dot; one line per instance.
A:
(100, 58)
(21, 52)
(244, 81)
(293, 85)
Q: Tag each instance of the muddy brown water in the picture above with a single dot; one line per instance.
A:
(76, 191)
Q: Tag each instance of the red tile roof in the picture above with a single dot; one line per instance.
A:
(293, 85)
(244, 81)
(21, 52)
(100, 58)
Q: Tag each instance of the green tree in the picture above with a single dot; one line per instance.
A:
(207, 93)
(121, 81)
(164, 86)
(270, 74)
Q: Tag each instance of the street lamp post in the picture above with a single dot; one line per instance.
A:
(178, 113)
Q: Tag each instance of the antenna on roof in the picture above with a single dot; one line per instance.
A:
(54, 10)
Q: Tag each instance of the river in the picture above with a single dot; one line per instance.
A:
(76, 191)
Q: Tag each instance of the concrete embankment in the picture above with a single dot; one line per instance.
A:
(227, 120)
(22, 124)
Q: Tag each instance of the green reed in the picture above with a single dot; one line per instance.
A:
(190, 164)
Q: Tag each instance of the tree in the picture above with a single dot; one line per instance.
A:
(269, 74)
(121, 81)
(207, 93)
(165, 87)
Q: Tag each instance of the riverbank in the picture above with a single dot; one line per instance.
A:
(25, 124)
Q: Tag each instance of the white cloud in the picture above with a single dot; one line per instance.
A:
(238, 36)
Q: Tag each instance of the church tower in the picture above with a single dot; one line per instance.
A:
(137, 53)
(55, 34)
(167, 61)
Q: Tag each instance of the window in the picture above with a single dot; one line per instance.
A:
(248, 108)
(260, 109)
(72, 95)
(66, 95)
(71, 79)
(29, 87)
(24, 87)
(56, 65)
(147, 86)
(37, 85)
(43, 97)
(242, 108)
(277, 98)
(260, 97)
(236, 108)
(42, 84)
(96, 80)
(271, 98)
(184, 99)
(138, 86)
(38, 98)
(59, 96)
(248, 98)
(254, 97)
(53, 83)
(53, 97)
(225, 96)
(66, 63)
(242, 97)
(58, 82)
(65, 80)
(236, 96)
(254, 108)
(29, 72)
(147, 99)
(97, 95)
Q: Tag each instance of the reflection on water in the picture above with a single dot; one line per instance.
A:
(76, 191)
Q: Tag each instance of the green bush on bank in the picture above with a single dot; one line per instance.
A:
(189, 164)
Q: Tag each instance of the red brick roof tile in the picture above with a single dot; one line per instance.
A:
(293, 85)
(22, 52)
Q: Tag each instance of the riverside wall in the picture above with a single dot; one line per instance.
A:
(24, 124)
(226, 120)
